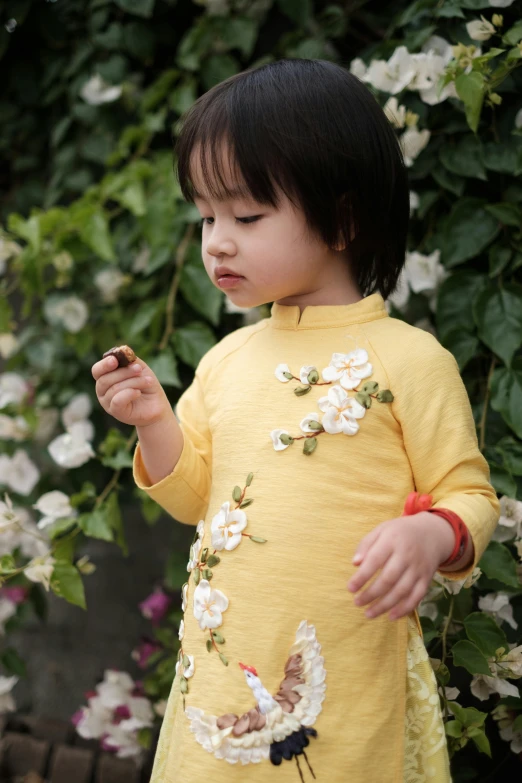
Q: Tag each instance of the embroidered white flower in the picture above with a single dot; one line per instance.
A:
(40, 570)
(188, 671)
(311, 422)
(96, 91)
(200, 530)
(480, 29)
(209, 605)
(305, 371)
(181, 632)
(195, 549)
(340, 412)
(497, 606)
(280, 371)
(226, 527)
(184, 597)
(13, 389)
(348, 368)
(276, 439)
(54, 505)
(510, 521)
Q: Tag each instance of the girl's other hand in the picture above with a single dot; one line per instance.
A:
(131, 394)
(409, 551)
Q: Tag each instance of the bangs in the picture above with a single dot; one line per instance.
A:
(311, 130)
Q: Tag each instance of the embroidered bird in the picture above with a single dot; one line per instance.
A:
(278, 727)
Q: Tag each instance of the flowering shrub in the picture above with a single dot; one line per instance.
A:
(97, 248)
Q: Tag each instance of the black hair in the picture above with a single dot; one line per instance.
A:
(315, 131)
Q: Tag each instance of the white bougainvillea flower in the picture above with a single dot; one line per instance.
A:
(348, 368)
(70, 311)
(396, 114)
(414, 201)
(188, 671)
(310, 418)
(501, 3)
(13, 428)
(41, 570)
(47, 421)
(71, 450)
(7, 684)
(482, 686)
(184, 597)
(109, 283)
(518, 119)
(13, 389)
(480, 29)
(424, 273)
(400, 295)
(226, 527)
(54, 505)
(276, 439)
(195, 549)
(454, 586)
(96, 91)
(116, 688)
(8, 517)
(9, 345)
(510, 522)
(78, 408)
(280, 371)
(340, 412)
(497, 606)
(7, 610)
(412, 142)
(209, 605)
(19, 473)
(181, 632)
(393, 75)
(305, 371)
(82, 430)
(141, 260)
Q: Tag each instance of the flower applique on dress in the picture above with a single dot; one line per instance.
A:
(340, 411)
(279, 726)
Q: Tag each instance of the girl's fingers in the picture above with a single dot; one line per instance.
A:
(124, 398)
(401, 592)
(142, 383)
(407, 606)
(109, 379)
(387, 579)
(374, 559)
(103, 366)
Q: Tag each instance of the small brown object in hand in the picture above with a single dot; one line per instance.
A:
(123, 354)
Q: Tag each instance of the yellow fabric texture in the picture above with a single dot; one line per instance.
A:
(380, 719)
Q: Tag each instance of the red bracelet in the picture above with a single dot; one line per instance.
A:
(416, 502)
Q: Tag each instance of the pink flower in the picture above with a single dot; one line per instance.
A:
(16, 594)
(142, 653)
(155, 606)
(138, 689)
(121, 713)
(76, 718)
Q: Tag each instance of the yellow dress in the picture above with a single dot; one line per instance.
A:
(276, 532)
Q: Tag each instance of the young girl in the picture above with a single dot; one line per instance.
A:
(299, 443)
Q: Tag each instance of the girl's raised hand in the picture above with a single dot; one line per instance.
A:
(131, 394)
(409, 551)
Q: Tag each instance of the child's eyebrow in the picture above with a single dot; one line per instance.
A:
(234, 193)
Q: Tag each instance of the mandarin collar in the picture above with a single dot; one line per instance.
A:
(369, 308)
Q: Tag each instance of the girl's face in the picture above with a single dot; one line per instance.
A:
(272, 250)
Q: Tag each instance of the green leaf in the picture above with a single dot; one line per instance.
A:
(504, 157)
(512, 453)
(468, 655)
(217, 68)
(455, 302)
(449, 181)
(223, 659)
(144, 316)
(122, 459)
(149, 508)
(213, 560)
(95, 232)
(508, 214)
(469, 717)
(7, 563)
(453, 728)
(240, 33)
(133, 197)
(12, 662)
(137, 7)
(115, 521)
(481, 741)
(506, 394)
(499, 258)
(199, 291)
(192, 342)
(463, 345)
(66, 582)
(26, 229)
(470, 88)
(498, 315)
(514, 34)
(165, 368)
(483, 630)
(497, 562)
(468, 230)
(502, 480)
(464, 158)
(96, 525)
(299, 11)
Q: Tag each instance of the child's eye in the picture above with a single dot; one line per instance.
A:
(245, 220)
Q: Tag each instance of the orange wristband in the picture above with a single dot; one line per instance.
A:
(416, 502)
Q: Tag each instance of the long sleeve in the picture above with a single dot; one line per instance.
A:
(432, 406)
(185, 493)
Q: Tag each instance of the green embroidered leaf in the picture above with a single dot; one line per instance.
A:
(313, 376)
(223, 659)
(183, 685)
(204, 555)
(249, 479)
(213, 560)
(209, 645)
(218, 638)
(364, 399)
(246, 502)
(236, 493)
(287, 440)
(309, 446)
(385, 395)
(300, 391)
(370, 387)
(288, 375)
(206, 573)
(315, 426)
(258, 540)
(196, 574)
(186, 661)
